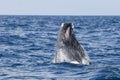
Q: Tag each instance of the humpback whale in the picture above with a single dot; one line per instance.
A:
(68, 48)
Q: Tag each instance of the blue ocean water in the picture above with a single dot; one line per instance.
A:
(27, 46)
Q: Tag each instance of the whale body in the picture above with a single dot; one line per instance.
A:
(68, 48)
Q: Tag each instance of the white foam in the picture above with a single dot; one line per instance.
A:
(19, 32)
(74, 62)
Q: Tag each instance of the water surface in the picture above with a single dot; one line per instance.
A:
(27, 46)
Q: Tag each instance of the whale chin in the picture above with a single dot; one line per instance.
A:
(67, 47)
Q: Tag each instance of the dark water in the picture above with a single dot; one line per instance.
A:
(27, 46)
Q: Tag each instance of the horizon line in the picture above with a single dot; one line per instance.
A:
(53, 15)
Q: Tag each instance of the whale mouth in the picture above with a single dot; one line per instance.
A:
(67, 30)
(67, 33)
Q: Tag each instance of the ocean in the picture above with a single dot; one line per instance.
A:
(27, 47)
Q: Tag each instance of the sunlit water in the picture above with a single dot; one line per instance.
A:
(27, 46)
